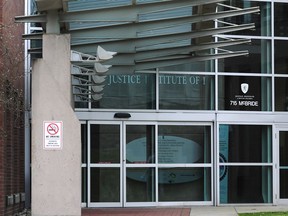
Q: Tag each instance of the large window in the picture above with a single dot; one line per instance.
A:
(245, 153)
(239, 83)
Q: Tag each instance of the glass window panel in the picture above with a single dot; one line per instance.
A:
(281, 57)
(140, 184)
(283, 148)
(246, 184)
(281, 94)
(81, 105)
(258, 60)
(261, 20)
(184, 184)
(284, 183)
(77, 81)
(184, 144)
(244, 93)
(186, 92)
(128, 91)
(140, 144)
(33, 7)
(84, 185)
(245, 143)
(105, 185)
(105, 143)
(84, 142)
(281, 19)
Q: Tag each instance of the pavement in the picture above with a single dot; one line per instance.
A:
(233, 210)
(182, 211)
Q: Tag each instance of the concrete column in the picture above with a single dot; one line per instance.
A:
(56, 174)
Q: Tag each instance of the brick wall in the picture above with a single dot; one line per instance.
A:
(11, 115)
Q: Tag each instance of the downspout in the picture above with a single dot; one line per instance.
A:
(27, 114)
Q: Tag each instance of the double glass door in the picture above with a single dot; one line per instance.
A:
(148, 164)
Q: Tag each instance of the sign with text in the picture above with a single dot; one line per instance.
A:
(53, 135)
(243, 93)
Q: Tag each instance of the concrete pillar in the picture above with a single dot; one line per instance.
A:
(56, 174)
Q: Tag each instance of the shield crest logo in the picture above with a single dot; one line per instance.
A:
(244, 87)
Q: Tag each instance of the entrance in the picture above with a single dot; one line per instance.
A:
(282, 135)
(149, 164)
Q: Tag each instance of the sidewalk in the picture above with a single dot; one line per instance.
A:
(178, 211)
(233, 211)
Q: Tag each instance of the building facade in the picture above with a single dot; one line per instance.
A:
(212, 131)
(12, 190)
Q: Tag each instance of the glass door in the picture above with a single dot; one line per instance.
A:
(139, 164)
(121, 164)
(148, 164)
(283, 166)
(104, 164)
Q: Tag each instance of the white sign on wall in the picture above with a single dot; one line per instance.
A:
(53, 135)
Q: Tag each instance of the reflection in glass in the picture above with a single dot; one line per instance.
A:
(80, 80)
(105, 185)
(203, 66)
(245, 143)
(258, 60)
(246, 184)
(281, 94)
(184, 144)
(140, 144)
(244, 93)
(186, 92)
(140, 184)
(105, 143)
(128, 91)
(281, 10)
(284, 183)
(184, 184)
(281, 57)
(199, 66)
(261, 20)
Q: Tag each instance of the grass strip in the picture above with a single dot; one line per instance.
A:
(264, 214)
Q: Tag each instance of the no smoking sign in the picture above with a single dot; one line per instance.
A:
(53, 129)
(53, 135)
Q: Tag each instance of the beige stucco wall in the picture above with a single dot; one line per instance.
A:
(56, 174)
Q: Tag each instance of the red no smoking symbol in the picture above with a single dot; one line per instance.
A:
(52, 129)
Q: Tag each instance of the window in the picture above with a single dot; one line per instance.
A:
(245, 153)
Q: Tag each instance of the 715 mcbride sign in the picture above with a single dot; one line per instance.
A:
(244, 99)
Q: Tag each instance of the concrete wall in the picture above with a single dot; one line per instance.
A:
(56, 174)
